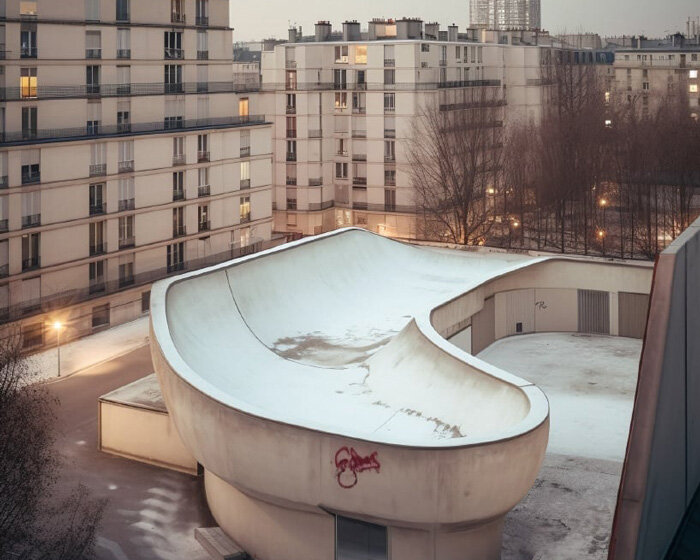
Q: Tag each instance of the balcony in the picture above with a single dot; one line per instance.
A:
(202, 87)
(127, 242)
(28, 52)
(125, 166)
(204, 226)
(391, 62)
(179, 18)
(203, 190)
(124, 53)
(31, 263)
(316, 182)
(176, 267)
(359, 206)
(4, 225)
(390, 133)
(291, 110)
(98, 170)
(98, 249)
(178, 195)
(359, 181)
(174, 88)
(93, 53)
(359, 157)
(202, 21)
(245, 184)
(123, 89)
(92, 90)
(98, 209)
(173, 54)
(31, 221)
(202, 55)
(127, 204)
(203, 157)
(124, 128)
(179, 231)
(359, 134)
(97, 286)
(291, 156)
(29, 178)
(125, 281)
(245, 151)
(291, 181)
(179, 159)
(4, 182)
(245, 218)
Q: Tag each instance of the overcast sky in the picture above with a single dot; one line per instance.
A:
(270, 18)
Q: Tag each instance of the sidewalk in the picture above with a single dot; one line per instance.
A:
(90, 351)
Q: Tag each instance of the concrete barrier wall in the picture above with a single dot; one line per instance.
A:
(662, 466)
(144, 435)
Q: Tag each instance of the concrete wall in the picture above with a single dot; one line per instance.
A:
(144, 435)
(662, 467)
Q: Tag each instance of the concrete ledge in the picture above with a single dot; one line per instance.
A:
(220, 547)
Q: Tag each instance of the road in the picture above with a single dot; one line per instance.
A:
(152, 512)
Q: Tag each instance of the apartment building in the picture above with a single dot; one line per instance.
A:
(344, 107)
(652, 74)
(505, 14)
(127, 154)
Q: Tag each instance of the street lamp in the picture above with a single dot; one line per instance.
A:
(604, 205)
(57, 326)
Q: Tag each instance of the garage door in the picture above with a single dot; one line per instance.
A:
(593, 312)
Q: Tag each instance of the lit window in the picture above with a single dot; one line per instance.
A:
(27, 8)
(27, 82)
(243, 107)
(607, 97)
(341, 54)
(361, 54)
(693, 74)
(608, 123)
(693, 88)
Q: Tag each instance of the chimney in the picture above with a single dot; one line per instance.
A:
(351, 31)
(407, 28)
(292, 35)
(376, 29)
(453, 33)
(323, 31)
(432, 31)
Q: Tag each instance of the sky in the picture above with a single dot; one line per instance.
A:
(271, 18)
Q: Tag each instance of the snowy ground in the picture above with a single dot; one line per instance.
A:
(590, 382)
(91, 350)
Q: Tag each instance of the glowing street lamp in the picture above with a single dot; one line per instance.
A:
(57, 326)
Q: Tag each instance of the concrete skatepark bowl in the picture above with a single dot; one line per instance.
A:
(315, 386)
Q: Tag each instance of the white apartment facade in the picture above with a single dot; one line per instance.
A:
(651, 76)
(127, 154)
(343, 111)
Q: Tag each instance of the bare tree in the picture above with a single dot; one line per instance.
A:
(34, 523)
(455, 159)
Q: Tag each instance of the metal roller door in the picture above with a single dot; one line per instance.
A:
(593, 312)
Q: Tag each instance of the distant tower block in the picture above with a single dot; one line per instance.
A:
(505, 14)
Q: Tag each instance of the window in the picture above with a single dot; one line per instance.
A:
(425, 47)
(202, 45)
(173, 45)
(179, 157)
(123, 116)
(94, 116)
(202, 12)
(100, 316)
(245, 174)
(29, 122)
(97, 276)
(27, 8)
(389, 56)
(389, 150)
(202, 148)
(31, 172)
(92, 10)
(291, 174)
(481, 54)
(389, 102)
(245, 143)
(341, 54)
(177, 11)
(126, 270)
(4, 227)
(32, 335)
(126, 232)
(203, 218)
(173, 78)
(361, 54)
(340, 79)
(291, 102)
(27, 40)
(93, 44)
(458, 52)
(390, 200)
(390, 77)
(28, 82)
(291, 196)
(179, 222)
(178, 186)
(92, 79)
(341, 100)
(390, 177)
(146, 301)
(341, 170)
(203, 188)
(359, 102)
(122, 10)
(97, 238)
(291, 80)
(30, 251)
(126, 156)
(389, 127)
(97, 199)
(291, 127)
(31, 209)
(126, 194)
(693, 74)
(243, 107)
(244, 209)
(123, 43)
(693, 88)
(176, 257)
(357, 539)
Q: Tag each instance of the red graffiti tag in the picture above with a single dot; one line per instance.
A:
(349, 463)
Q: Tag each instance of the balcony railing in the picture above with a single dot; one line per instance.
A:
(291, 133)
(127, 242)
(202, 21)
(123, 128)
(98, 249)
(31, 178)
(31, 263)
(31, 221)
(97, 209)
(390, 133)
(178, 17)
(389, 159)
(315, 182)
(93, 53)
(4, 182)
(179, 159)
(291, 110)
(359, 157)
(127, 204)
(97, 286)
(126, 166)
(203, 190)
(245, 218)
(203, 156)
(381, 86)
(28, 52)
(60, 134)
(245, 183)
(202, 55)
(291, 204)
(179, 231)
(291, 181)
(359, 134)
(390, 181)
(123, 53)
(359, 180)
(125, 281)
(173, 54)
(178, 195)
(315, 206)
(291, 156)
(204, 226)
(342, 153)
(245, 151)
(98, 169)
(92, 90)
(389, 62)
(4, 225)
(176, 267)
(359, 110)
(175, 88)
(4, 270)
